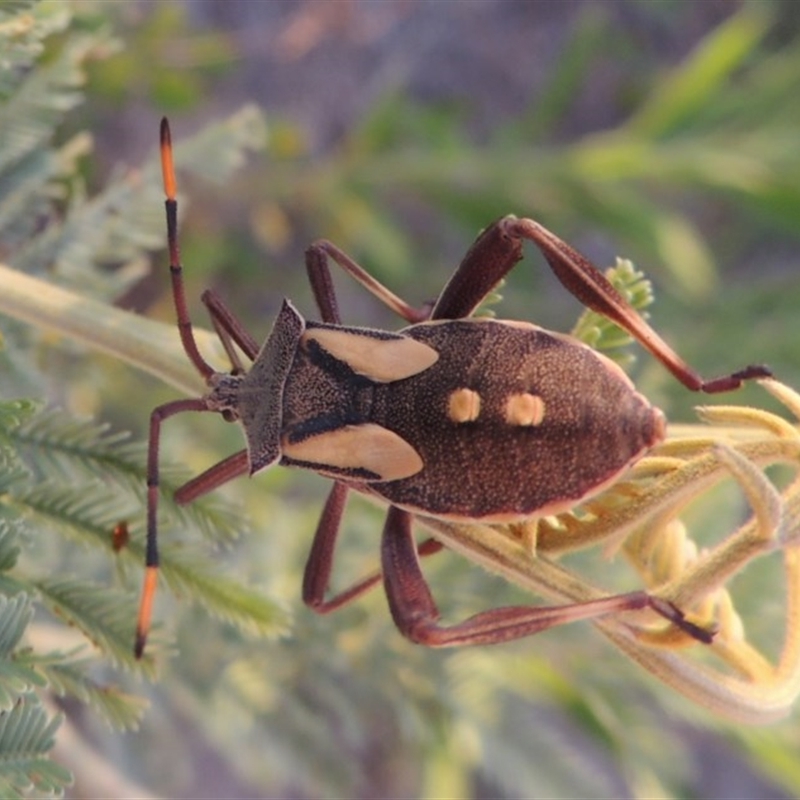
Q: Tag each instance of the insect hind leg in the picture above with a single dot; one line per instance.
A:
(417, 617)
(587, 283)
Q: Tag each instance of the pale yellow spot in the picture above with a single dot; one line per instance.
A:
(524, 409)
(464, 405)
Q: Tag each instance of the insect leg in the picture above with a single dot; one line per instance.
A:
(491, 257)
(319, 276)
(320, 559)
(226, 470)
(229, 329)
(416, 615)
(588, 284)
(319, 566)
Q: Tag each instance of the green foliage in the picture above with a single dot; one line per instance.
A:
(26, 736)
(27, 671)
(26, 729)
(17, 678)
(66, 481)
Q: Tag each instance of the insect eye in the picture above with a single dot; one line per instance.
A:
(228, 415)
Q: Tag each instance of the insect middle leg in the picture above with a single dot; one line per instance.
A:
(319, 276)
(320, 561)
(319, 566)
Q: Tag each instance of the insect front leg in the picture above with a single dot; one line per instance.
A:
(416, 615)
(229, 329)
(226, 470)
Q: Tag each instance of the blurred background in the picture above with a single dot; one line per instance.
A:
(656, 130)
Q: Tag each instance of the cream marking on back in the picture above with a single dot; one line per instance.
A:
(524, 409)
(366, 446)
(463, 405)
(379, 359)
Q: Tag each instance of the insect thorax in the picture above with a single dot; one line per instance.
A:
(260, 392)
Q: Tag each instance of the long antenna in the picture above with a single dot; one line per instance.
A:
(175, 268)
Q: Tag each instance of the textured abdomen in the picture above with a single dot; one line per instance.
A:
(511, 420)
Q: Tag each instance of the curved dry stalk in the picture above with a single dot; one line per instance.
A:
(151, 346)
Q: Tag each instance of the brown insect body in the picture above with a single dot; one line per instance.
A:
(490, 464)
(453, 417)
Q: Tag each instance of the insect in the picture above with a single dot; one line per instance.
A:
(452, 417)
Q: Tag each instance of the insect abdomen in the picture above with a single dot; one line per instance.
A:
(512, 420)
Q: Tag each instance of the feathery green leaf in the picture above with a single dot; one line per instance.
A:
(226, 598)
(120, 710)
(65, 449)
(26, 736)
(105, 616)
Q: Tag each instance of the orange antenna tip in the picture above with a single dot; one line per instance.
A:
(167, 166)
(145, 610)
